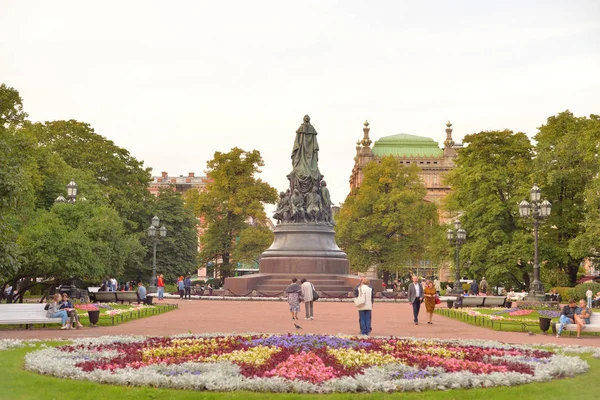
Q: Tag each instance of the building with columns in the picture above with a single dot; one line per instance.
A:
(433, 160)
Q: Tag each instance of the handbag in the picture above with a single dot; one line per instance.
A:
(314, 293)
(360, 300)
(437, 299)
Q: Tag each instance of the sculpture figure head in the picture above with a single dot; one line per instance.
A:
(323, 183)
(306, 119)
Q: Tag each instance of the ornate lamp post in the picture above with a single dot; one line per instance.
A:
(457, 237)
(537, 210)
(162, 232)
(71, 198)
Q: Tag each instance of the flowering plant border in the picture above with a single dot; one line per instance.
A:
(302, 363)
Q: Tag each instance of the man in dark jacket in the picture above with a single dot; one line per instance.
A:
(474, 288)
(187, 287)
(567, 316)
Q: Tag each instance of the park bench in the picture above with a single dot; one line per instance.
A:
(473, 301)
(127, 297)
(593, 326)
(494, 301)
(106, 297)
(25, 314)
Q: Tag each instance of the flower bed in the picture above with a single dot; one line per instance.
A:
(301, 363)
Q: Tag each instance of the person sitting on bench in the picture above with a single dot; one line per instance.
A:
(71, 312)
(53, 311)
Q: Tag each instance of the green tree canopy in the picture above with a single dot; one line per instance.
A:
(386, 222)
(85, 240)
(176, 253)
(490, 178)
(566, 165)
(122, 177)
(233, 196)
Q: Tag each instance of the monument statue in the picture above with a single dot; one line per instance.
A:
(304, 238)
(305, 158)
(307, 199)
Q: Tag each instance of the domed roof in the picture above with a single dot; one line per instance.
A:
(405, 145)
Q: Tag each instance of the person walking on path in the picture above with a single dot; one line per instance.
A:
(307, 296)
(187, 287)
(160, 284)
(415, 297)
(590, 296)
(180, 286)
(582, 316)
(567, 316)
(430, 295)
(294, 297)
(366, 308)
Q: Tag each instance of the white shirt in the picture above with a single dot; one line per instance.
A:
(418, 289)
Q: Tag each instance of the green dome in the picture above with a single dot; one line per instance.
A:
(405, 145)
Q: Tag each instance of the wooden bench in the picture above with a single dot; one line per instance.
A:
(593, 326)
(106, 297)
(25, 314)
(128, 297)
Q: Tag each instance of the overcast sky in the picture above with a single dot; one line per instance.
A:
(173, 82)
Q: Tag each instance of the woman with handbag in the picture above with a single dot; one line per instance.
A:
(364, 303)
(430, 299)
(294, 297)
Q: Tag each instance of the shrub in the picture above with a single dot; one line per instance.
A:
(216, 283)
(578, 292)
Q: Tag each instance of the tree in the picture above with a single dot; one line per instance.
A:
(253, 241)
(176, 253)
(566, 165)
(11, 107)
(123, 177)
(85, 240)
(386, 222)
(233, 196)
(490, 178)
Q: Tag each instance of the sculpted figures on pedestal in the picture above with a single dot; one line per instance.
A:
(305, 158)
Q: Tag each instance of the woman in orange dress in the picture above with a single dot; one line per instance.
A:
(430, 294)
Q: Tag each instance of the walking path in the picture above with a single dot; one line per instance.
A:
(199, 316)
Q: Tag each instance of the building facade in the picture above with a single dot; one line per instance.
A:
(433, 160)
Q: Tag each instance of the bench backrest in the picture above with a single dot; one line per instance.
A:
(105, 296)
(473, 300)
(127, 296)
(22, 307)
(494, 301)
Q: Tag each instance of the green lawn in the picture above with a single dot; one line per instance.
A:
(17, 384)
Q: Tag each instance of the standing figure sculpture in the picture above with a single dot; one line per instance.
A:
(313, 201)
(326, 204)
(305, 158)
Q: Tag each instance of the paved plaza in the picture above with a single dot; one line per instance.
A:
(199, 316)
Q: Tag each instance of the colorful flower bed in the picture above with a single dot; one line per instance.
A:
(301, 363)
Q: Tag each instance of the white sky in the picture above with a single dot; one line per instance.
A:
(175, 81)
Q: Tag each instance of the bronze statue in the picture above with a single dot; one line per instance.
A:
(313, 200)
(305, 158)
(283, 208)
(297, 203)
(326, 203)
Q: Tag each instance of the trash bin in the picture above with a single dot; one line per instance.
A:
(94, 317)
(149, 300)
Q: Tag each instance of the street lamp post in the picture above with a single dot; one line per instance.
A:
(71, 198)
(457, 237)
(537, 210)
(162, 232)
